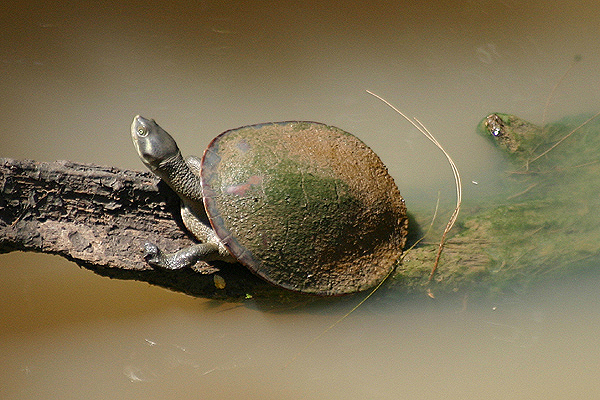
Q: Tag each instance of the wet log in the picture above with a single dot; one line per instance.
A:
(99, 217)
(542, 225)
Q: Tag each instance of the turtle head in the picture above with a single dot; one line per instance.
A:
(153, 144)
(515, 135)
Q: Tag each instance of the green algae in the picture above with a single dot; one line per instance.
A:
(545, 224)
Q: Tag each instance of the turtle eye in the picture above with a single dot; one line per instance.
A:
(142, 132)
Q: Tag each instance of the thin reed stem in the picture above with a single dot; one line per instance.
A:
(421, 128)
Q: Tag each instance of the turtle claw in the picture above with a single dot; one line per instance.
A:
(157, 259)
(153, 255)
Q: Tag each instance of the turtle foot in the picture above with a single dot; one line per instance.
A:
(184, 258)
(155, 257)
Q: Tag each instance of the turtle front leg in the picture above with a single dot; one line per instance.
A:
(183, 258)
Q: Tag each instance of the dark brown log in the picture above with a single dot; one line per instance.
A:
(100, 217)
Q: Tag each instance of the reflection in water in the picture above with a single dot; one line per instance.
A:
(156, 361)
(488, 53)
(72, 77)
(511, 334)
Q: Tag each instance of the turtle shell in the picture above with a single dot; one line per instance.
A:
(306, 206)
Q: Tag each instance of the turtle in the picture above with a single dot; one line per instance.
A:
(306, 206)
(517, 137)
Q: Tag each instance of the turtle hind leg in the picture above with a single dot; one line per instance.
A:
(184, 258)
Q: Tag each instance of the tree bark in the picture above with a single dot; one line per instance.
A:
(100, 217)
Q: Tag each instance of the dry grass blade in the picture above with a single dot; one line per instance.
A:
(330, 327)
(437, 205)
(576, 59)
(421, 128)
(564, 137)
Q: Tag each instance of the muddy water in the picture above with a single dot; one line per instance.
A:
(72, 77)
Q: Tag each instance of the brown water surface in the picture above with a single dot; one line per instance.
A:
(72, 76)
